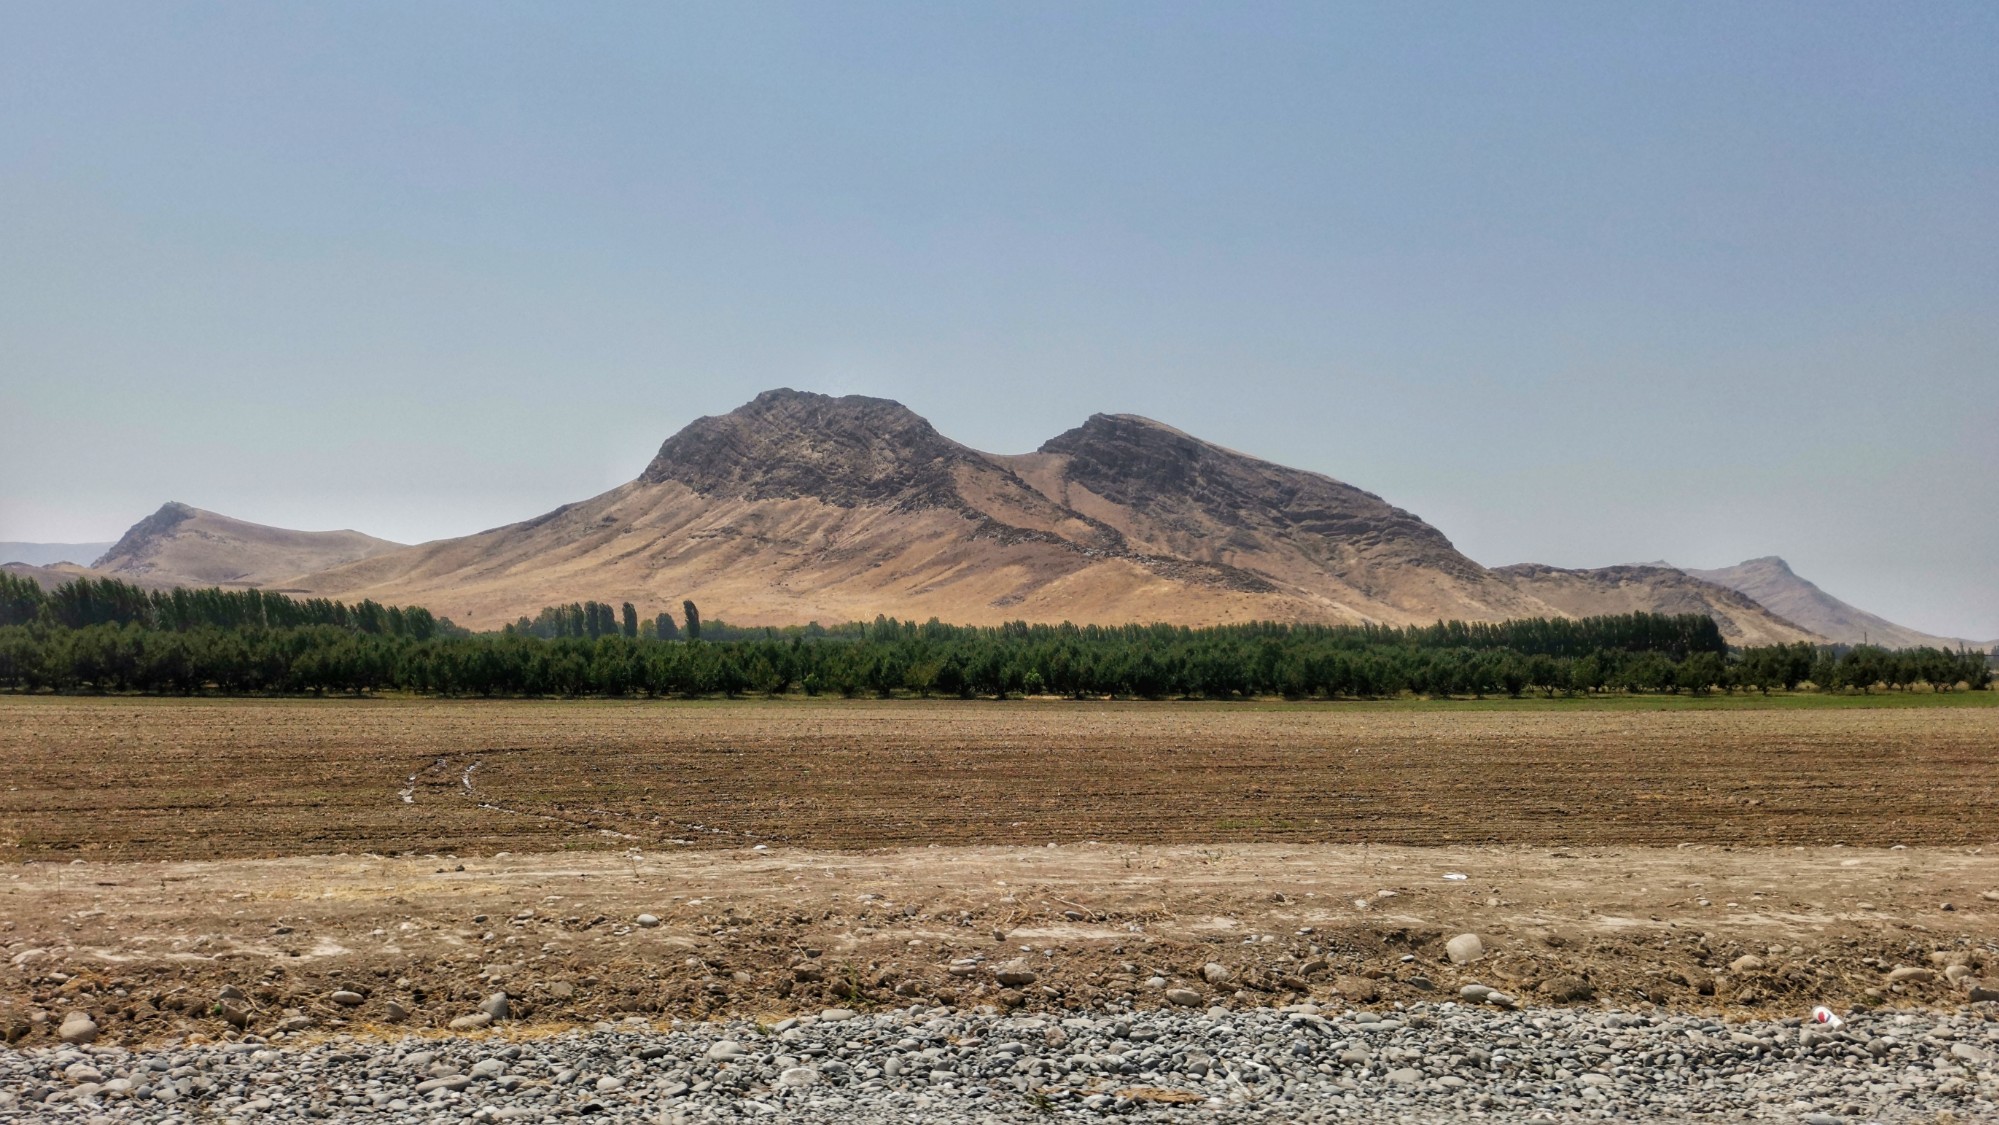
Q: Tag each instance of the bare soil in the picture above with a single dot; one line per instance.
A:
(146, 947)
(799, 856)
(210, 779)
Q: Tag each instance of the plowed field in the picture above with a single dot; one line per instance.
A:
(124, 779)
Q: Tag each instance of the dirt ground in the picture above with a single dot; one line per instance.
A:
(209, 779)
(148, 947)
(427, 854)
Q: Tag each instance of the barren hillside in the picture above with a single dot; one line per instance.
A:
(183, 546)
(799, 507)
(1653, 589)
(1772, 583)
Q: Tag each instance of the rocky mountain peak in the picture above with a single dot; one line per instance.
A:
(787, 444)
(1199, 486)
(147, 533)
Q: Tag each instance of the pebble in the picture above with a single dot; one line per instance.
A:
(1464, 949)
(1183, 997)
(496, 1006)
(347, 999)
(1426, 1061)
(648, 921)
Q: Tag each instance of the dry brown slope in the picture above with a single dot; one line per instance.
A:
(1361, 558)
(800, 507)
(1772, 583)
(185, 546)
(1654, 589)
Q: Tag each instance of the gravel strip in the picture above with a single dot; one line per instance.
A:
(1417, 1064)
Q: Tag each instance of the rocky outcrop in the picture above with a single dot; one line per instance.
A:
(788, 445)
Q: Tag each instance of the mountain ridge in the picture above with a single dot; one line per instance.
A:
(49, 554)
(798, 506)
(1770, 581)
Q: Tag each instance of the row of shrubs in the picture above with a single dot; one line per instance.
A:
(921, 661)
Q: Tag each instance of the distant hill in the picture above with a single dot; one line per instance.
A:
(51, 576)
(798, 507)
(1656, 589)
(48, 554)
(184, 546)
(1772, 582)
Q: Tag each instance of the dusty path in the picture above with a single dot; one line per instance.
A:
(147, 947)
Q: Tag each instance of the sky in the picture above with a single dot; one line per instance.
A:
(1580, 284)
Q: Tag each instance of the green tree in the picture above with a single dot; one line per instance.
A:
(692, 616)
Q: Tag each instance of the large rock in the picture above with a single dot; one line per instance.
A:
(1464, 949)
(1183, 997)
(1360, 990)
(496, 1006)
(1215, 973)
(1016, 973)
(78, 1028)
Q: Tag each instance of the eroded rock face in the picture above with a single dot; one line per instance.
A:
(1184, 483)
(847, 451)
(798, 507)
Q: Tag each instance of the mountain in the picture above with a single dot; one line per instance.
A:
(1656, 589)
(50, 576)
(1772, 582)
(183, 546)
(48, 554)
(798, 507)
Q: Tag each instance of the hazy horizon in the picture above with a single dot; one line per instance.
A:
(1577, 286)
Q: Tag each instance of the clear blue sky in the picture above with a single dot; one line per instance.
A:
(1578, 283)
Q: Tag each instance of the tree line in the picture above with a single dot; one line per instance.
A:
(102, 635)
(82, 602)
